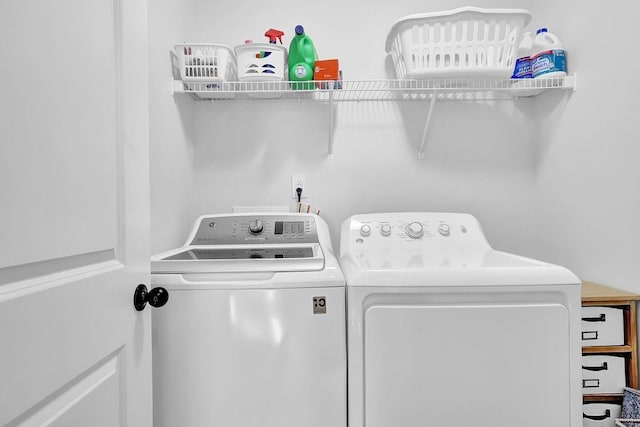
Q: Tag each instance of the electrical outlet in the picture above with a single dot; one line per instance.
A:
(297, 181)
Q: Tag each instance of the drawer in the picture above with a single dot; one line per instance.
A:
(602, 326)
(603, 374)
(600, 414)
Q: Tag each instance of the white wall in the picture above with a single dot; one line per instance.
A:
(479, 157)
(553, 178)
(171, 127)
(587, 174)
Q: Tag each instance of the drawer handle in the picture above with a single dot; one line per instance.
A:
(604, 367)
(607, 414)
(601, 318)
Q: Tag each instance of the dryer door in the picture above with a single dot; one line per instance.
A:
(462, 364)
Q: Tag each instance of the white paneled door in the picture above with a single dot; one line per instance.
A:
(74, 213)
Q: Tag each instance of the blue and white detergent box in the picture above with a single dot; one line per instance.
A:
(522, 69)
(549, 61)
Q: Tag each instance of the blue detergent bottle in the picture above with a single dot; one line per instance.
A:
(548, 59)
(302, 56)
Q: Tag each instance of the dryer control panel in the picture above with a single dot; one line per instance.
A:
(415, 229)
(412, 240)
(250, 229)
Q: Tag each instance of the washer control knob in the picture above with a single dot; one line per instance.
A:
(365, 230)
(385, 230)
(414, 230)
(444, 229)
(256, 226)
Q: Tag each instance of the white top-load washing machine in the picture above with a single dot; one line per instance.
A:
(253, 333)
(444, 331)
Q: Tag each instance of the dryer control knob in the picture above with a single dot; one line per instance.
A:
(385, 230)
(256, 226)
(444, 229)
(414, 230)
(365, 230)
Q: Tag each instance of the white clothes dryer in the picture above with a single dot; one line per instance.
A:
(445, 331)
(253, 333)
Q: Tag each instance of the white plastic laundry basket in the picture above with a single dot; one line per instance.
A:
(206, 62)
(467, 42)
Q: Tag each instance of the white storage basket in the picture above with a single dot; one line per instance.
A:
(206, 62)
(467, 42)
(258, 62)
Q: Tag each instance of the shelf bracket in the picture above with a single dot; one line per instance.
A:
(432, 103)
(331, 124)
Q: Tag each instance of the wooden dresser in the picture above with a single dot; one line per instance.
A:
(609, 350)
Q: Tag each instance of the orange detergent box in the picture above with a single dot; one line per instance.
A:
(326, 69)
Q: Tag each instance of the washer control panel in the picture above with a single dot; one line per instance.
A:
(264, 229)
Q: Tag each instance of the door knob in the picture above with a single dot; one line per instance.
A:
(157, 297)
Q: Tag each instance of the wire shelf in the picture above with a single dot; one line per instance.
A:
(378, 90)
(332, 92)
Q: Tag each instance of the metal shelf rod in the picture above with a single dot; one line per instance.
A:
(432, 103)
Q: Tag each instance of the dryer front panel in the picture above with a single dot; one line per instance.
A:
(486, 359)
(442, 363)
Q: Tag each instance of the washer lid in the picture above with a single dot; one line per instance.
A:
(253, 242)
(239, 258)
